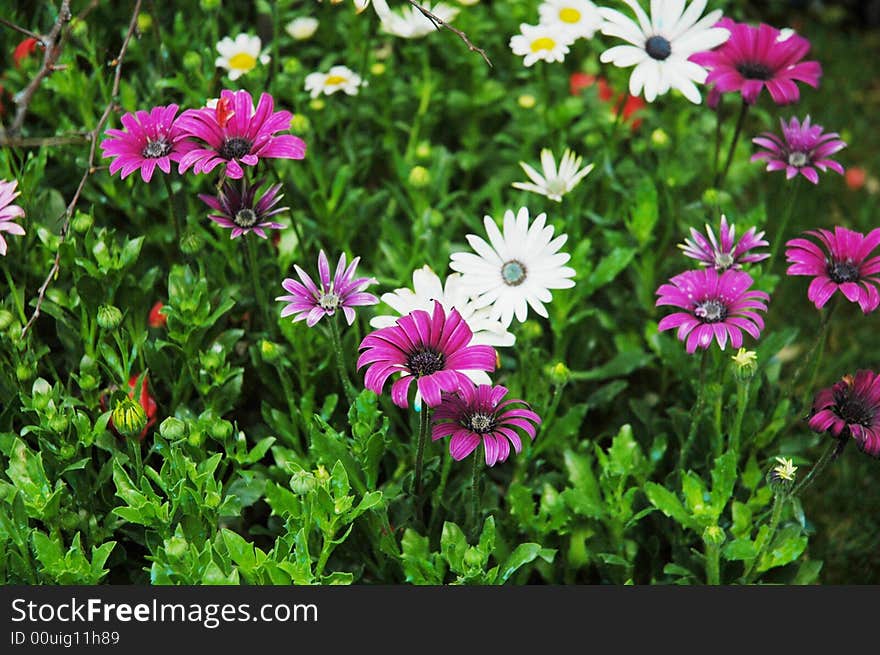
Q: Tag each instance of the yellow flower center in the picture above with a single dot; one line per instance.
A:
(569, 15)
(543, 43)
(242, 61)
(334, 79)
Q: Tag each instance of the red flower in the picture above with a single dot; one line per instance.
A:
(580, 81)
(145, 399)
(156, 318)
(855, 177)
(24, 49)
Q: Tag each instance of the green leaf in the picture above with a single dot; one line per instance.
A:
(723, 481)
(668, 503)
(740, 550)
(522, 555)
(453, 545)
(787, 546)
(645, 212)
(609, 267)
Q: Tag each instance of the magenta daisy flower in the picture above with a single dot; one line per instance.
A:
(716, 305)
(234, 133)
(729, 253)
(755, 58)
(843, 265)
(476, 414)
(9, 212)
(310, 302)
(431, 349)
(802, 149)
(242, 211)
(149, 141)
(851, 408)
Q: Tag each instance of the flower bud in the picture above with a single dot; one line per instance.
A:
(172, 428)
(41, 393)
(531, 330)
(473, 558)
(660, 138)
(67, 451)
(300, 123)
(24, 372)
(196, 438)
(423, 150)
(191, 242)
(109, 317)
(269, 350)
(559, 373)
(302, 482)
(378, 69)
(192, 61)
(322, 475)
(176, 547)
(745, 364)
(156, 319)
(6, 318)
(82, 222)
(526, 101)
(88, 382)
(292, 66)
(317, 104)
(128, 417)
(782, 476)
(58, 423)
(419, 177)
(220, 430)
(713, 536)
(302, 28)
(144, 22)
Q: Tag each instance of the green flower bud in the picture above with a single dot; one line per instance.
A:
(300, 123)
(526, 101)
(660, 138)
(144, 22)
(377, 69)
(58, 423)
(713, 536)
(172, 428)
(531, 330)
(109, 317)
(292, 65)
(745, 364)
(269, 350)
(419, 177)
(436, 219)
(192, 61)
(423, 150)
(191, 242)
(322, 475)
(6, 318)
(79, 27)
(82, 222)
(317, 104)
(716, 197)
(221, 430)
(176, 547)
(67, 451)
(196, 438)
(128, 417)
(88, 382)
(41, 392)
(24, 372)
(559, 373)
(302, 482)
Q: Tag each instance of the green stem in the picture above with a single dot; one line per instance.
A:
(420, 453)
(740, 121)
(786, 217)
(350, 393)
(475, 486)
(549, 417)
(171, 213)
(818, 467)
(742, 401)
(718, 122)
(259, 291)
(817, 346)
(696, 415)
(778, 504)
(713, 565)
(18, 305)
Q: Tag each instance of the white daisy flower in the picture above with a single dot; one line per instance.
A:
(428, 287)
(360, 5)
(547, 42)
(241, 55)
(410, 23)
(515, 269)
(660, 45)
(554, 183)
(302, 28)
(338, 78)
(580, 17)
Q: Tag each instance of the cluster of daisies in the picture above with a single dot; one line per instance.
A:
(440, 341)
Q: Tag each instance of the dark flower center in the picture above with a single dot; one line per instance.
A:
(723, 261)
(480, 423)
(841, 272)
(156, 149)
(753, 70)
(235, 147)
(854, 409)
(425, 362)
(658, 47)
(711, 311)
(798, 159)
(245, 217)
(513, 273)
(329, 301)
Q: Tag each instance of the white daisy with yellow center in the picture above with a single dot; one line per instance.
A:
(555, 182)
(240, 55)
(338, 78)
(410, 23)
(541, 42)
(302, 28)
(579, 17)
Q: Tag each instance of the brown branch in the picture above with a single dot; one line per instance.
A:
(440, 23)
(19, 28)
(52, 42)
(40, 141)
(90, 167)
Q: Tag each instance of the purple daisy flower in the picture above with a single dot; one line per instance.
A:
(716, 305)
(844, 266)
(431, 349)
(851, 408)
(802, 149)
(234, 133)
(149, 141)
(476, 414)
(9, 212)
(755, 58)
(730, 253)
(307, 301)
(241, 210)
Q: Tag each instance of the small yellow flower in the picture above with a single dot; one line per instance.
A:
(526, 101)
(784, 470)
(745, 364)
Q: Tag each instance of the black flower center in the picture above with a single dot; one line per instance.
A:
(156, 149)
(841, 272)
(235, 147)
(658, 47)
(425, 362)
(854, 409)
(480, 423)
(711, 311)
(753, 70)
(513, 273)
(245, 217)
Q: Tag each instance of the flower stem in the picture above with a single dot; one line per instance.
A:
(742, 401)
(171, 213)
(786, 217)
(830, 453)
(475, 485)
(420, 453)
(259, 291)
(697, 413)
(778, 504)
(347, 387)
(713, 564)
(740, 121)
(817, 347)
(718, 122)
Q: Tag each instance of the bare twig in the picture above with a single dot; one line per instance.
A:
(90, 167)
(40, 141)
(53, 43)
(440, 23)
(19, 28)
